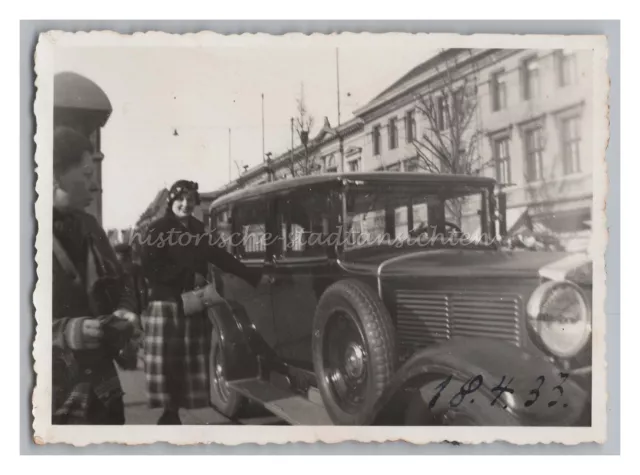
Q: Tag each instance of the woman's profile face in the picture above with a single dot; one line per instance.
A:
(184, 205)
(78, 182)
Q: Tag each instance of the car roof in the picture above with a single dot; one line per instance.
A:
(337, 178)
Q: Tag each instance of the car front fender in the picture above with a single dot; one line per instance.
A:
(238, 342)
(542, 393)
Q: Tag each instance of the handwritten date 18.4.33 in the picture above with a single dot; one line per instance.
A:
(475, 383)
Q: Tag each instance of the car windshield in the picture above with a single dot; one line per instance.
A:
(447, 214)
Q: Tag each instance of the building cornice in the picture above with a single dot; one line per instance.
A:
(429, 81)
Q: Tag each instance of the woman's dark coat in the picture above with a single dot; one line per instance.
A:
(172, 256)
(86, 388)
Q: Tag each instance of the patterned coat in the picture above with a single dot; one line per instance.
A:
(177, 347)
(86, 388)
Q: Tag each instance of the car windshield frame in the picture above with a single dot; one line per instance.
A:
(442, 190)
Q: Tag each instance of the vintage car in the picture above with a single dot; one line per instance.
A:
(387, 298)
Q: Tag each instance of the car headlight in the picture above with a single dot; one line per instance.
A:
(561, 318)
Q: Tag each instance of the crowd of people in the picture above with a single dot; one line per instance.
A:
(105, 307)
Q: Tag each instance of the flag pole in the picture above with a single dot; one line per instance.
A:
(341, 144)
(263, 156)
(229, 154)
(338, 82)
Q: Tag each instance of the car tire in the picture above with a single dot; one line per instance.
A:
(351, 377)
(224, 399)
(475, 409)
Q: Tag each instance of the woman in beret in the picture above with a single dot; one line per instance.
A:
(175, 257)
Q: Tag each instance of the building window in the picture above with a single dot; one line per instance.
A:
(567, 68)
(533, 153)
(570, 133)
(396, 167)
(503, 160)
(458, 105)
(393, 133)
(531, 78)
(375, 139)
(411, 165)
(499, 90)
(354, 165)
(443, 113)
(410, 126)
(330, 164)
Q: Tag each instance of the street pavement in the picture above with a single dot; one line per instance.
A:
(137, 411)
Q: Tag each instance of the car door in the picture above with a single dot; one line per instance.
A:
(301, 271)
(248, 224)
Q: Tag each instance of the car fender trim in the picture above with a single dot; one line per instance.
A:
(396, 259)
(575, 267)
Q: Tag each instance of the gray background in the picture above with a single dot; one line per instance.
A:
(29, 32)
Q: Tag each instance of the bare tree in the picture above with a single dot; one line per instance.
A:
(544, 187)
(451, 136)
(450, 140)
(303, 125)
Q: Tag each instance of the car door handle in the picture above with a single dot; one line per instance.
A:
(276, 280)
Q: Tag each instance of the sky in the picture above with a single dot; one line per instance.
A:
(201, 92)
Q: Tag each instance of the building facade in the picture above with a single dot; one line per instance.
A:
(520, 116)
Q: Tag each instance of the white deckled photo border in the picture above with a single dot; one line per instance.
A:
(46, 433)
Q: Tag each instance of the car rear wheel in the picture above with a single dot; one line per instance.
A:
(224, 399)
(353, 351)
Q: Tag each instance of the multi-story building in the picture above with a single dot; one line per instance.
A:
(537, 121)
(521, 116)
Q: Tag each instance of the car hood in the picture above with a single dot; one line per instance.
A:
(470, 263)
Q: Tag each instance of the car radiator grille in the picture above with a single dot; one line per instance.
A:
(431, 316)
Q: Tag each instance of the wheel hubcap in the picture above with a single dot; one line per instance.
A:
(345, 360)
(354, 360)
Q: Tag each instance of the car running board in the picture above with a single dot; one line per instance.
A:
(291, 407)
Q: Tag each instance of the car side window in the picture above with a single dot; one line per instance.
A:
(221, 227)
(249, 229)
(307, 220)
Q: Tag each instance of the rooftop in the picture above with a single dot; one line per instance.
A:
(368, 177)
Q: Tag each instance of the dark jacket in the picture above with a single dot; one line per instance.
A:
(85, 379)
(135, 273)
(173, 254)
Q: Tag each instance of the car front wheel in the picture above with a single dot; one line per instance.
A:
(353, 351)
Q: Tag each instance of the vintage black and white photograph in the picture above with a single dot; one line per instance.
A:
(367, 237)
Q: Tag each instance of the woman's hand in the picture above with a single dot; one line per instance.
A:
(131, 317)
(91, 333)
(126, 315)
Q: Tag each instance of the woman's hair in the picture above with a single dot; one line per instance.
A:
(180, 188)
(68, 148)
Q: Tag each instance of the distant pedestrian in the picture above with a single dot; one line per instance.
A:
(176, 345)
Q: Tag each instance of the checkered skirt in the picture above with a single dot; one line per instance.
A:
(176, 356)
